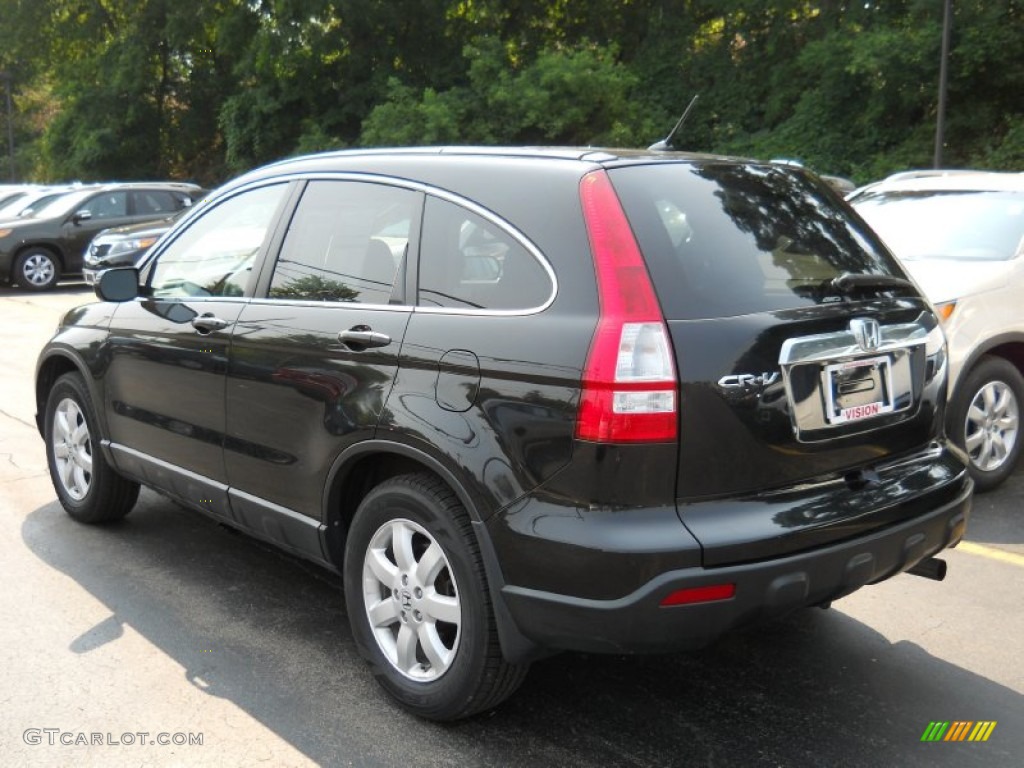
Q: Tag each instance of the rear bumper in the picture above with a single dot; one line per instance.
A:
(637, 623)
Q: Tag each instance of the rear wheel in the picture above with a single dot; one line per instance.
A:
(418, 602)
(987, 420)
(37, 269)
(88, 488)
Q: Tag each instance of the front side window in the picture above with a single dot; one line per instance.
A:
(215, 255)
(346, 242)
(468, 262)
(109, 205)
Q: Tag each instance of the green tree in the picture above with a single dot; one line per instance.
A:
(147, 88)
(572, 96)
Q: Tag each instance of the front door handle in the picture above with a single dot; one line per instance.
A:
(209, 322)
(362, 336)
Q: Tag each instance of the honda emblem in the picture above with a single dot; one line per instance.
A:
(866, 332)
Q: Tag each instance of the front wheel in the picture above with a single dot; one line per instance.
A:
(36, 269)
(418, 603)
(987, 420)
(88, 488)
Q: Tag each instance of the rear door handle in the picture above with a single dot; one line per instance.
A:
(209, 322)
(363, 336)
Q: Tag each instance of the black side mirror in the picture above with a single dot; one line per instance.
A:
(118, 284)
(81, 216)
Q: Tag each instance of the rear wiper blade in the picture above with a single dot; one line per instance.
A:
(849, 282)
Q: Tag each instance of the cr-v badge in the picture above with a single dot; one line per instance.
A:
(747, 382)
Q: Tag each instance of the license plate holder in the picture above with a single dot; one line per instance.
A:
(856, 390)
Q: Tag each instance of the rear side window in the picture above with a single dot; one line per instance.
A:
(724, 239)
(469, 262)
(345, 242)
(152, 201)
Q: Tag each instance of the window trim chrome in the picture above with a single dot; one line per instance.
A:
(426, 189)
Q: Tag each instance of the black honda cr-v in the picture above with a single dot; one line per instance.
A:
(522, 400)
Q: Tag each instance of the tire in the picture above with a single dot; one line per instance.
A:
(37, 269)
(423, 619)
(987, 420)
(88, 488)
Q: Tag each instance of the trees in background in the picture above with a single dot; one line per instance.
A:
(161, 88)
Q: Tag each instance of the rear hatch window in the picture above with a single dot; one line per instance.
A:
(724, 239)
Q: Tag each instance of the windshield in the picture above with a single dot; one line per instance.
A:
(28, 205)
(948, 225)
(11, 209)
(64, 204)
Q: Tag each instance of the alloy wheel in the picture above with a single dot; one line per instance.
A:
(412, 600)
(72, 449)
(38, 270)
(992, 426)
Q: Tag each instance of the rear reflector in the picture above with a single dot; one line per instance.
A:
(700, 595)
(629, 385)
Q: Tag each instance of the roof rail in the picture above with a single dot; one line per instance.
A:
(924, 173)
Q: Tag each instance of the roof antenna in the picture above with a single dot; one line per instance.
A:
(669, 141)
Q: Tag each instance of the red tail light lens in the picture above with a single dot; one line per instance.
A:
(629, 385)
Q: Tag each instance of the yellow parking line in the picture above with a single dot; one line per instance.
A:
(991, 552)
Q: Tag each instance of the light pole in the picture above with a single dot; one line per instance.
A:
(940, 118)
(7, 77)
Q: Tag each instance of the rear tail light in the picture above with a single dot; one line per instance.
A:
(629, 384)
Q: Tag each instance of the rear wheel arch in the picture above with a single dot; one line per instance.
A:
(363, 467)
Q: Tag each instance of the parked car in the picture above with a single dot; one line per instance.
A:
(36, 251)
(123, 246)
(961, 236)
(30, 202)
(522, 400)
(11, 192)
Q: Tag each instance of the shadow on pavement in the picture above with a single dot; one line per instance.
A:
(270, 634)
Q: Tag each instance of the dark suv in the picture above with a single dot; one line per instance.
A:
(36, 251)
(523, 400)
